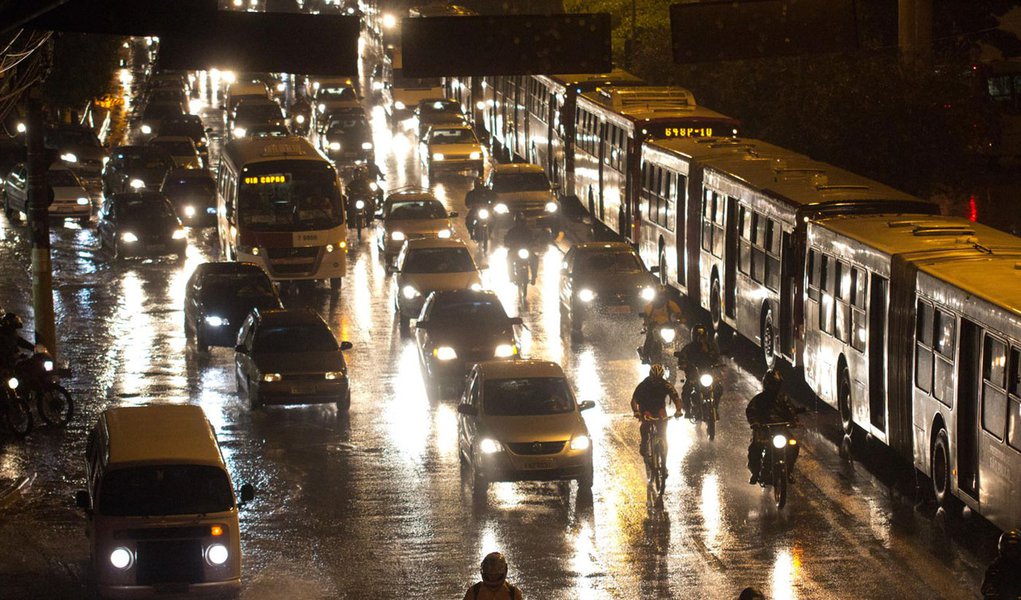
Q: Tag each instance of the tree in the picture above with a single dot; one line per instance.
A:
(83, 69)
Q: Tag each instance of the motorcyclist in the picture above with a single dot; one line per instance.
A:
(360, 187)
(475, 199)
(519, 237)
(661, 310)
(769, 406)
(700, 354)
(11, 343)
(494, 584)
(1003, 577)
(650, 397)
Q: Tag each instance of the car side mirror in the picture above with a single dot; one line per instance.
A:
(516, 321)
(247, 494)
(467, 410)
(587, 404)
(346, 345)
(453, 214)
(209, 130)
(240, 348)
(654, 269)
(422, 324)
(81, 500)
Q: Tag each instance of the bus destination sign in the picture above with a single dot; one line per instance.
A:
(271, 179)
(687, 132)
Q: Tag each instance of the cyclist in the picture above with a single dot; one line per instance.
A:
(518, 237)
(649, 397)
(494, 584)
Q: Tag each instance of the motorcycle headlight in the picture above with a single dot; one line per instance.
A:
(668, 334)
(706, 380)
(189, 211)
(146, 129)
(120, 558)
(483, 214)
(443, 234)
(215, 321)
(397, 236)
(522, 253)
(300, 119)
(359, 204)
(240, 132)
(106, 159)
(322, 107)
(374, 186)
(271, 377)
(445, 353)
(69, 157)
(333, 375)
(335, 146)
(586, 295)
(366, 145)
(474, 155)
(504, 351)
(648, 294)
(179, 234)
(551, 207)
(501, 209)
(217, 554)
(490, 446)
(779, 441)
(137, 184)
(48, 365)
(83, 201)
(127, 236)
(580, 442)
(410, 293)
(399, 105)
(437, 156)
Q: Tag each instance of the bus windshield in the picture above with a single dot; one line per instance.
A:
(289, 196)
(157, 490)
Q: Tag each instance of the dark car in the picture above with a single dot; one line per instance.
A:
(437, 111)
(78, 147)
(290, 357)
(133, 168)
(189, 126)
(253, 112)
(218, 297)
(268, 129)
(603, 278)
(458, 328)
(193, 194)
(155, 112)
(347, 137)
(141, 224)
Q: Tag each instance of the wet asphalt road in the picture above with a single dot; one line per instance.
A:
(371, 504)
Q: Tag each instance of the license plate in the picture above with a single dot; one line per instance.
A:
(539, 464)
(619, 310)
(303, 389)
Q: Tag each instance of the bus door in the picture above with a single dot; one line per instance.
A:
(877, 351)
(730, 258)
(788, 288)
(968, 376)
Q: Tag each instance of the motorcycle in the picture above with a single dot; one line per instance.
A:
(703, 394)
(480, 230)
(14, 411)
(775, 458)
(659, 346)
(40, 385)
(519, 271)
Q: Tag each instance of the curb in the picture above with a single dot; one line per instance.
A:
(12, 491)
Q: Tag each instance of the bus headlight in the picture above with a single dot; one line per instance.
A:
(120, 558)
(445, 353)
(551, 207)
(476, 287)
(410, 293)
(580, 442)
(240, 132)
(189, 211)
(214, 321)
(69, 157)
(779, 441)
(146, 129)
(329, 248)
(359, 204)
(706, 380)
(399, 105)
(648, 294)
(504, 351)
(374, 186)
(47, 365)
(586, 295)
(522, 254)
(483, 214)
(501, 209)
(217, 554)
(300, 119)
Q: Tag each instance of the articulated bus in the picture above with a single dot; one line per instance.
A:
(913, 333)
(280, 205)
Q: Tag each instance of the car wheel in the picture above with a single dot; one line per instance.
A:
(336, 283)
(200, 341)
(585, 481)
(405, 325)
(344, 404)
(254, 402)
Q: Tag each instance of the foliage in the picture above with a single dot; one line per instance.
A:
(83, 68)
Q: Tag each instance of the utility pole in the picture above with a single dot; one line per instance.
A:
(914, 31)
(39, 208)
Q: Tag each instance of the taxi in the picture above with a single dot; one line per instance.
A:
(451, 148)
(427, 265)
(408, 214)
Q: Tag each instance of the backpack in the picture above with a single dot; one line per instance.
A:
(478, 586)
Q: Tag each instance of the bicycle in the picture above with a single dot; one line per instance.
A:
(655, 462)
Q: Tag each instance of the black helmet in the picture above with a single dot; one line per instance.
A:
(772, 381)
(699, 334)
(1010, 544)
(494, 568)
(750, 593)
(11, 321)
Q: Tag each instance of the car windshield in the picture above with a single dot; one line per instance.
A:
(165, 490)
(468, 312)
(189, 185)
(185, 128)
(227, 286)
(520, 182)
(608, 261)
(290, 196)
(438, 260)
(440, 107)
(268, 130)
(530, 396)
(258, 111)
(152, 158)
(144, 209)
(176, 148)
(294, 338)
(418, 209)
(62, 178)
(453, 136)
(157, 111)
(336, 93)
(72, 137)
(348, 126)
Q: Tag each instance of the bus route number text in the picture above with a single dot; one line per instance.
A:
(266, 179)
(687, 132)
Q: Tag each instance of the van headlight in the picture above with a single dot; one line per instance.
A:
(445, 353)
(504, 351)
(580, 442)
(300, 119)
(490, 446)
(120, 558)
(48, 365)
(410, 293)
(779, 441)
(474, 155)
(586, 295)
(551, 207)
(706, 380)
(501, 209)
(217, 554)
(648, 294)
(271, 377)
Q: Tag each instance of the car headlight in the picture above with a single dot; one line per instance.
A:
(240, 132)
(397, 236)
(83, 201)
(214, 321)
(445, 353)
(580, 442)
(586, 295)
(366, 145)
(129, 237)
(322, 107)
(437, 156)
(137, 184)
(106, 159)
(410, 293)
(146, 129)
(359, 204)
(551, 207)
(706, 380)
(476, 287)
(333, 375)
(483, 214)
(501, 209)
(120, 558)
(399, 105)
(271, 377)
(443, 234)
(281, 86)
(69, 157)
(779, 441)
(504, 351)
(668, 334)
(300, 119)
(48, 365)
(489, 446)
(189, 211)
(335, 146)
(474, 155)
(217, 554)
(179, 234)
(648, 294)
(13, 383)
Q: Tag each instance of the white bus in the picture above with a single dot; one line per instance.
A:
(280, 205)
(913, 333)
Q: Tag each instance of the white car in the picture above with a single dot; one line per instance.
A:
(181, 149)
(523, 188)
(70, 198)
(428, 265)
(407, 215)
(451, 148)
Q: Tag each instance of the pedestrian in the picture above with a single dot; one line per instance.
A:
(494, 584)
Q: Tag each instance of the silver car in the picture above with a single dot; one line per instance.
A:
(428, 265)
(408, 215)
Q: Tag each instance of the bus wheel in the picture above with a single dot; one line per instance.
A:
(941, 470)
(716, 304)
(844, 398)
(662, 266)
(768, 339)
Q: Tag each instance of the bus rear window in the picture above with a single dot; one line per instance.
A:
(165, 490)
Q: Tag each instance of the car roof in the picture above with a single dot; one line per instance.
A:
(411, 197)
(419, 243)
(229, 268)
(163, 433)
(451, 125)
(517, 168)
(150, 195)
(519, 369)
(283, 317)
(603, 246)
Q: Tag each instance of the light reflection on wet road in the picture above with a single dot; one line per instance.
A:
(371, 504)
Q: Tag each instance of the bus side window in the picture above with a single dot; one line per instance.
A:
(994, 397)
(1014, 400)
(826, 304)
(944, 342)
(923, 347)
(813, 275)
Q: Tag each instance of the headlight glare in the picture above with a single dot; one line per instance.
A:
(551, 207)
(586, 295)
(445, 353)
(779, 441)
(706, 380)
(410, 293)
(580, 442)
(120, 558)
(300, 119)
(146, 129)
(189, 211)
(129, 237)
(48, 365)
(333, 375)
(399, 105)
(83, 201)
(504, 351)
(13, 383)
(69, 157)
(240, 132)
(359, 204)
(397, 236)
(489, 446)
(271, 377)
(483, 214)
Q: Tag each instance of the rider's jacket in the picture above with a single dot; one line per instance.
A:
(650, 395)
(517, 237)
(694, 357)
(10, 346)
(1002, 580)
(662, 314)
(770, 407)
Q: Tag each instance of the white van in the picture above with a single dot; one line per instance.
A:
(162, 513)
